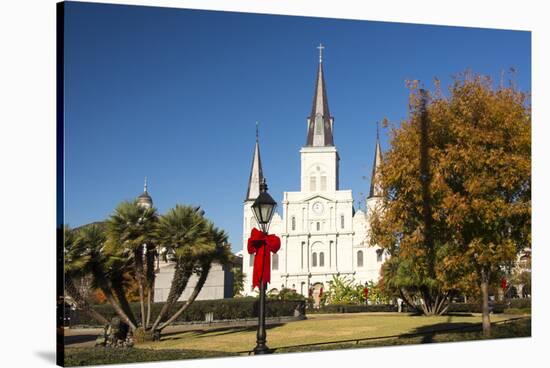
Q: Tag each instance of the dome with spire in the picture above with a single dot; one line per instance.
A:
(144, 198)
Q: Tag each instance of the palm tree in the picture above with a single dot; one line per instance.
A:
(76, 259)
(88, 255)
(184, 235)
(130, 229)
(217, 250)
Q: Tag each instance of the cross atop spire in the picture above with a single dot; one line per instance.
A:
(145, 185)
(257, 131)
(320, 47)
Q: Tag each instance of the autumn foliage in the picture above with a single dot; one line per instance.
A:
(457, 184)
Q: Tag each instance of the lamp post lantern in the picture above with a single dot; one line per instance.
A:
(263, 208)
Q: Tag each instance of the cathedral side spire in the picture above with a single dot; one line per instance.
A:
(320, 122)
(375, 188)
(256, 173)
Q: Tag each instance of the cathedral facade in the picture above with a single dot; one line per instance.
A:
(322, 234)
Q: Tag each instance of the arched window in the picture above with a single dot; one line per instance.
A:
(275, 261)
(314, 260)
(360, 258)
(323, 183)
(312, 183)
(251, 260)
(379, 253)
(321, 259)
(318, 226)
(293, 223)
(342, 222)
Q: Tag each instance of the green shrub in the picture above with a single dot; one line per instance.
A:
(519, 303)
(96, 356)
(223, 309)
(354, 308)
(286, 294)
(498, 307)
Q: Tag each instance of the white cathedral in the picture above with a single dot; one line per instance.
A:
(321, 232)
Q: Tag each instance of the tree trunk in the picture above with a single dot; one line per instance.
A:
(118, 289)
(192, 297)
(104, 286)
(117, 308)
(485, 319)
(82, 303)
(408, 300)
(182, 273)
(138, 264)
(150, 275)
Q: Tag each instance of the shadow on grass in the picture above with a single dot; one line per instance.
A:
(78, 339)
(209, 332)
(428, 332)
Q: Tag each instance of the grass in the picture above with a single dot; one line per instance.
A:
(517, 328)
(384, 328)
(319, 328)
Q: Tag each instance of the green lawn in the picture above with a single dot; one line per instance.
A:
(395, 328)
(316, 329)
(516, 328)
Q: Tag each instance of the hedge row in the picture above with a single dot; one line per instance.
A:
(497, 307)
(519, 303)
(241, 308)
(354, 308)
(222, 309)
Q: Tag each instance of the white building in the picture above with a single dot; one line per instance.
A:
(321, 233)
(218, 285)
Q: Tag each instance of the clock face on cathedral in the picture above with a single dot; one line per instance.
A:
(317, 207)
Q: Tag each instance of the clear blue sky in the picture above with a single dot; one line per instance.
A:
(174, 95)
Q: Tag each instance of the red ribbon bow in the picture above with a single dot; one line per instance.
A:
(257, 244)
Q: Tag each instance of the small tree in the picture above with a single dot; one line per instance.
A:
(343, 290)
(238, 281)
(377, 294)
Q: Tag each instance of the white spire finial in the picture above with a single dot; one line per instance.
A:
(145, 185)
(320, 47)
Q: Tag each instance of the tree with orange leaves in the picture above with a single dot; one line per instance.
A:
(457, 183)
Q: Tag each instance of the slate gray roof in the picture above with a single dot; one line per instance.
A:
(256, 175)
(376, 189)
(320, 109)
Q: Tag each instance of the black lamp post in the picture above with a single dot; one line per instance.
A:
(263, 208)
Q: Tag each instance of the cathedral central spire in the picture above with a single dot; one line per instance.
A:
(320, 123)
